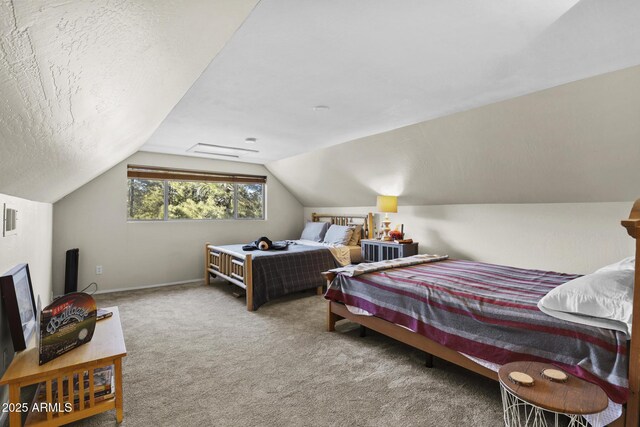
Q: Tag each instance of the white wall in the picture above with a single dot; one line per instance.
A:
(133, 254)
(32, 245)
(565, 237)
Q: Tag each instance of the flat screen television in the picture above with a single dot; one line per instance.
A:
(19, 304)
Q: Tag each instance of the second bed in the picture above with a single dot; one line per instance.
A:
(266, 275)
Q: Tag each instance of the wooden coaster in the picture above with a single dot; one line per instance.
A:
(555, 375)
(521, 378)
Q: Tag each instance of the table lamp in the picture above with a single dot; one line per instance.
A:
(387, 204)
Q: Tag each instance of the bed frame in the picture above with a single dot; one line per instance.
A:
(236, 267)
(337, 311)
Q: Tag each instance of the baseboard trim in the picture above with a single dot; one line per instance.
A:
(137, 288)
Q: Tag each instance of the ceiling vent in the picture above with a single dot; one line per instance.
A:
(220, 150)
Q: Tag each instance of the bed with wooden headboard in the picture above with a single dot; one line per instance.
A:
(414, 304)
(266, 275)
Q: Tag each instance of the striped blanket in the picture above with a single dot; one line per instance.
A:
(489, 312)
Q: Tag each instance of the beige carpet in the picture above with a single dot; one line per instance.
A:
(198, 358)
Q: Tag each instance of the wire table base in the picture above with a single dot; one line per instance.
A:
(518, 413)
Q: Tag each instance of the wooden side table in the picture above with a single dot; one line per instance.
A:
(525, 406)
(380, 250)
(106, 348)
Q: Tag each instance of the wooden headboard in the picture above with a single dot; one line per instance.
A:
(365, 220)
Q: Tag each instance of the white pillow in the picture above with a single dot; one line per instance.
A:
(338, 235)
(603, 298)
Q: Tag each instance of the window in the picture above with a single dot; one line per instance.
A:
(164, 194)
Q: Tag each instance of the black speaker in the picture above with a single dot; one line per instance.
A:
(71, 271)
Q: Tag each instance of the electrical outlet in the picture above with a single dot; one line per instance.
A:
(98, 269)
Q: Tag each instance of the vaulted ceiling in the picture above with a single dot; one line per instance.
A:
(381, 64)
(85, 83)
(578, 142)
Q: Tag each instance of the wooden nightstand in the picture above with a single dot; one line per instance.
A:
(380, 250)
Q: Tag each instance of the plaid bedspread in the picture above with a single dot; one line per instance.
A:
(278, 273)
(489, 312)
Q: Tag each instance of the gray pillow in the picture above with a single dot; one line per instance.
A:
(314, 231)
(338, 234)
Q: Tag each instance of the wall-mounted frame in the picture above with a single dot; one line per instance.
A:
(9, 221)
(19, 304)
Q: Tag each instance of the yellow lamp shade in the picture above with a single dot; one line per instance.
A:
(387, 204)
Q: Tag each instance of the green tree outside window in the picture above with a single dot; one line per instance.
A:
(194, 200)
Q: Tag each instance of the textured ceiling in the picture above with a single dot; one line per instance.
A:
(381, 65)
(84, 83)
